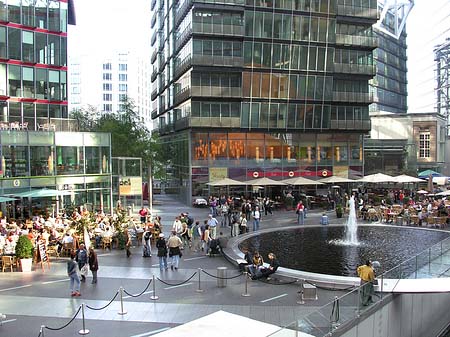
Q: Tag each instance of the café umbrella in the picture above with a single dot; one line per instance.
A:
(41, 193)
(5, 199)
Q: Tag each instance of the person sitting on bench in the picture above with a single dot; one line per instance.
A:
(266, 271)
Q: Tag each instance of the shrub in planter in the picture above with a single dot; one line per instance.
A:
(24, 252)
(24, 248)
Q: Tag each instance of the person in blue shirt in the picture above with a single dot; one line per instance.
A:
(324, 219)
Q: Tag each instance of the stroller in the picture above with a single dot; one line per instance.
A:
(214, 248)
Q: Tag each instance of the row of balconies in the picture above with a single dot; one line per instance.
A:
(369, 13)
(354, 68)
(182, 95)
(235, 122)
(361, 41)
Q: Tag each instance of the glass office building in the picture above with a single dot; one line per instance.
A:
(39, 145)
(252, 88)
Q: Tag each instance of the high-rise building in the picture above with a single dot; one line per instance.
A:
(256, 88)
(389, 86)
(104, 81)
(39, 145)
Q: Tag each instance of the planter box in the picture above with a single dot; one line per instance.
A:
(26, 264)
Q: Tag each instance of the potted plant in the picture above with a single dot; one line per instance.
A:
(24, 252)
(339, 211)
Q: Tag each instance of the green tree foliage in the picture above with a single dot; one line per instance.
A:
(129, 135)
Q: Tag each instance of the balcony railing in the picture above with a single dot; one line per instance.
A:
(154, 113)
(353, 68)
(41, 124)
(154, 75)
(214, 29)
(370, 13)
(352, 40)
(212, 91)
(357, 97)
(153, 40)
(230, 61)
(182, 95)
(183, 38)
(350, 125)
(154, 55)
(154, 94)
(182, 66)
(153, 4)
(182, 11)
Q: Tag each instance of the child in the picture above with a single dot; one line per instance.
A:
(324, 219)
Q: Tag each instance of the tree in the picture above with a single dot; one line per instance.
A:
(129, 135)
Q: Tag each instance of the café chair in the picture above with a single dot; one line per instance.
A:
(7, 262)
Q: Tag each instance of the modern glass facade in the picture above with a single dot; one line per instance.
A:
(389, 86)
(262, 88)
(36, 148)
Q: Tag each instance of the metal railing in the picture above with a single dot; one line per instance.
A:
(353, 40)
(343, 311)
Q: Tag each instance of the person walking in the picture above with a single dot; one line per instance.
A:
(174, 243)
(72, 272)
(82, 259)
(300, 210)
(147, 247)
(196, 236)
(367, 276)
(127, 241)
(256, 218)
(93, 264)
(212, 223)
(161, 245)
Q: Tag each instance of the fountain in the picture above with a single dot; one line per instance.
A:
(352, 226)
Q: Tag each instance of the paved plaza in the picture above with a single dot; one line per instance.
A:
(43, 298)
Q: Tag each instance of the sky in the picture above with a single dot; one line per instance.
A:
(428, 25)
(106, 25)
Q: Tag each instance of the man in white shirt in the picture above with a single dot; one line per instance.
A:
(256, 218)
(177, 226)
(212, 222)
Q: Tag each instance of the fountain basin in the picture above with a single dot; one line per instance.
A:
(317, 253)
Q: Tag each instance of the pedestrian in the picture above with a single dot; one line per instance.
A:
(196, 236)
(93, 264)
(174, 243)
(367, 276)
(256, 218)
(324, 219)
(147, 247)
(185, 238)
(143, 215)
(72, 271)
(300, 210)
(235, 224)
(127, 241)
(212, 223)
(82, 259)
(243, 224)
(161, 245)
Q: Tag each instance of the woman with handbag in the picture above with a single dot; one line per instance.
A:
(161, 245)
(174, 243)
(93, 264)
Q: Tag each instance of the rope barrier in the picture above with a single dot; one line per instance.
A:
(112, 300)
(221, 278)
(178, 284)
(141, 293)
(66, 325)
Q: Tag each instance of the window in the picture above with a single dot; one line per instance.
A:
(107, 87)
(106, 66)
(424, 145)
(107, 107)
(122, 67)
(107, 97)
(123, 77)
(107, 76)
(123, 87)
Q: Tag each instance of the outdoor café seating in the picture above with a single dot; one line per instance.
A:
(7, 263)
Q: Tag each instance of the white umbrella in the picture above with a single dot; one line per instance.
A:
(403, 178)
(422, 192)
(301, 181)
(227, 182)
(444, 193)
(377, 178)
(264, 182)
(336, 180)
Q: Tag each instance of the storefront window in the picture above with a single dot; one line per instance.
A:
(69, 160)
(255, 143)
(41, 161)
(93, 160)
(218, 146)
(15, 161)
(307, 149)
